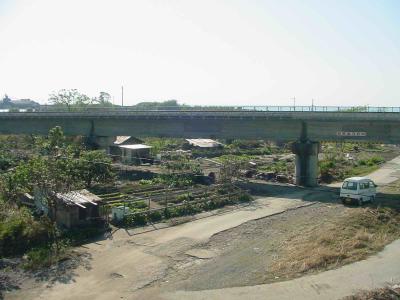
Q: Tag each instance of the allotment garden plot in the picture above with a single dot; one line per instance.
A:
(147, 204)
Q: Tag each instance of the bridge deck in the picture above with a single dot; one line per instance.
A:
(372, 125)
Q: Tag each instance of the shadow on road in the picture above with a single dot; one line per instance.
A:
(323, 194)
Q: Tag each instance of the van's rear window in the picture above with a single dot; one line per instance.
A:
(349, 185)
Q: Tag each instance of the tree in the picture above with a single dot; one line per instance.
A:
(166, 105)
(71, 99)
(6, 100)
(57, 168)
(94, 167)
(104, 99)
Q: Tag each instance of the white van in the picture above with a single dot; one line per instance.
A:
(360, 189)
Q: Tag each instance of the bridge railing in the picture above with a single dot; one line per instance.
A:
(115, 108)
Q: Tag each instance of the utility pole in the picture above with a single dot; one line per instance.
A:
(294, 103)
(312, 104)
(122, 94)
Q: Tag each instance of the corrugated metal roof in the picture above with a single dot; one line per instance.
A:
(127, 140)
(203, 143)
(120, 139)
(78, 198)
(135, 147)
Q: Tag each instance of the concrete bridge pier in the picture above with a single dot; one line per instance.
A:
(306, 162)
(102, 142)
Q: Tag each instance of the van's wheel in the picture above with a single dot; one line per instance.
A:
(360, 202)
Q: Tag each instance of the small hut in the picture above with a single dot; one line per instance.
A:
(74, 208)
(130, 150)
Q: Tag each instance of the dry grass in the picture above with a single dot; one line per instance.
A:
(387, 293)
(353, 237)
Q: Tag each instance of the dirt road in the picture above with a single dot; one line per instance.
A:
(335, 284)
(129, 262)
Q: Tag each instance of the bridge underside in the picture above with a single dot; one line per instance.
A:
(306, 129)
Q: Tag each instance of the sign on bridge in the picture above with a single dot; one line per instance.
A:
(351, 133)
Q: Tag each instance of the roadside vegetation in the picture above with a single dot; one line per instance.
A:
(352, 237)
(343, 160)
(357, 234)
(53, 164)
(386, 293)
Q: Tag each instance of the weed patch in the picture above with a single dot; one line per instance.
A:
(358, 234)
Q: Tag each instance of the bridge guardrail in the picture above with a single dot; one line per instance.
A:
(125, 109)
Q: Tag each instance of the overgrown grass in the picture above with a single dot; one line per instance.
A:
(360, 170)
(361, 232)
(336, 167)
(386, 293)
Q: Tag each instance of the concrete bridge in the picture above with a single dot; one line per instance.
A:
(305, 128)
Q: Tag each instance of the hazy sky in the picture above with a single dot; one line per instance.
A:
(243, 52)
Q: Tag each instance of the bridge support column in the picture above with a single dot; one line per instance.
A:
(306, 162)
(102, 142)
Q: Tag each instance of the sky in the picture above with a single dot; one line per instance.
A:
(204, 52)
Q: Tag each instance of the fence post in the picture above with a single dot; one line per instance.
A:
(166, 200)
(123, 217)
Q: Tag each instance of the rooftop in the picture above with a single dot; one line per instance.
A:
(78, 198)
(135, 147)
(203, 143)
(120, 139)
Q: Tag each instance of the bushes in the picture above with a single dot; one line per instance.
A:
(155, 216)
(336, 167)
(19, 231)
(45, 256)
(185, 197)
(138, 205)
(244, 197)
(146, 181)
(372, 161)
(135, 220)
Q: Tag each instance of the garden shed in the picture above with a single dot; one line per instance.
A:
(128, 149)
(74, 208)
(136, 154)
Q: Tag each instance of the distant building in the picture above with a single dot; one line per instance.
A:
(204, 143)
(136, 154)
(127, 140)
(130, 150)
(7, 103)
